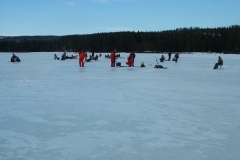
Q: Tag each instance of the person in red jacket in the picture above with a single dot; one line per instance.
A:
(82, 56)
(113, 58)
(130, 60)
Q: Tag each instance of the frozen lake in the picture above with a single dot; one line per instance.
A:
(52, 109)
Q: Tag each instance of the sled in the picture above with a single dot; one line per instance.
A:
(160, 67)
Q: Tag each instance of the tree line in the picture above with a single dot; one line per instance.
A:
(193, 39)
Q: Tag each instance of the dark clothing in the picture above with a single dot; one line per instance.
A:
(219, 63)
(169, 56)
(215, 66)
(64, 56)
(15, 58)
(96, 57)
(176, 57)
(133, 55)
(56, 57)
(162, 58)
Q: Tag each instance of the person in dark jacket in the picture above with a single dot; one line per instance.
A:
(64, 56)
(133, 55)
(169, 56)
(56, 57)
(176, 57)
(162, 58)
(219, 63)
(15, 58)
(96, 58)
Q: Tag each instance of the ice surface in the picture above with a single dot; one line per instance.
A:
(52, 109)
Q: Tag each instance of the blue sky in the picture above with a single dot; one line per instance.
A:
(67, 17)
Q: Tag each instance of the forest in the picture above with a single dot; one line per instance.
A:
(194, 39)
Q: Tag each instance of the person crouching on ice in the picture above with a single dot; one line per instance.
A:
(113, 58)
(130, 60)
(162, 58)
(13, 58)
(56, 57)
(64, 56)
(82, 56)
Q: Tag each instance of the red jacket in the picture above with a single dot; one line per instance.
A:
(130, 61)
(82, 55)
(113, 55)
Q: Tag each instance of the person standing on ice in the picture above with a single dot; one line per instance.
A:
(133, 55)
(82, 56)
(113, 58)
(169, 56)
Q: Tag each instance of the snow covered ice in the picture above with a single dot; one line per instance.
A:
(52, 109)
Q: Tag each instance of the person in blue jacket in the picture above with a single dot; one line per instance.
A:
(64, 56)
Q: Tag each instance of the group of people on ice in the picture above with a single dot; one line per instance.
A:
(92, 57)
(64, 56)
(113, 56)
(162, 59)
(175, 59)
(83, 57)
(130, 59)
(109, 56)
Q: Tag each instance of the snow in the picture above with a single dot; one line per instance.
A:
(52, 109)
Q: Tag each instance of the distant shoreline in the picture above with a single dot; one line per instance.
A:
(129, 52)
